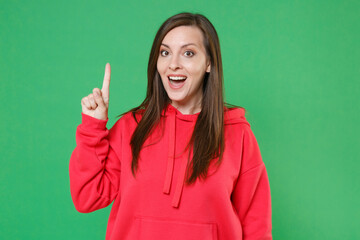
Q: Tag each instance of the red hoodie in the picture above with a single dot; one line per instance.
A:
(232, 203)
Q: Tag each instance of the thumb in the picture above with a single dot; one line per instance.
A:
(99, 99)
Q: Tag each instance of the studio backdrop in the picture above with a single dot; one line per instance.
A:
(293, 65)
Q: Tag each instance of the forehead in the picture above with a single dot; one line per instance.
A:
(184, 35)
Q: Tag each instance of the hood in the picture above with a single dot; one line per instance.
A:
(231, 116)
(235, 116)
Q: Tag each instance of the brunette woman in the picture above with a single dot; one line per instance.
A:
(183, 164)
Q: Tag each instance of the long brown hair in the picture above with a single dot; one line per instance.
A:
(207, 140)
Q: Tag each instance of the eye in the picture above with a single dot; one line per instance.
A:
(189, 53)
(164, 53)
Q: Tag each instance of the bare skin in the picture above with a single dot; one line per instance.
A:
(96, 104)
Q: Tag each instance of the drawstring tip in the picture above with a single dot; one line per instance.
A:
(176, 202)
(166, 190)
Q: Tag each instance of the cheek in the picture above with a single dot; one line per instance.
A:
(196, 70)
(161, 71)
(160, 66)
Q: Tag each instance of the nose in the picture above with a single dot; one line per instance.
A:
(174, 63)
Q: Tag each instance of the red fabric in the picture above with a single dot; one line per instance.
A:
(232, 203)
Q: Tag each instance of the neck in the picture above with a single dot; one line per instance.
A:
(188, 108)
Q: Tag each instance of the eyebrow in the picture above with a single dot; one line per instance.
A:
(182, 45)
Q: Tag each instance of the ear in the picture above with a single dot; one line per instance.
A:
(208, 67)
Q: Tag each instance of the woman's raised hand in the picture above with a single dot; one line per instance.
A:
(96, 104)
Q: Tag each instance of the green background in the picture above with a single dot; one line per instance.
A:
(294, 65)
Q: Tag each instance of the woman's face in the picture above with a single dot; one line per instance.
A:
(182, 64)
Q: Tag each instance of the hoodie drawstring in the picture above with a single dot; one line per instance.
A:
(171, 154)
(180, 182)
(170, 162)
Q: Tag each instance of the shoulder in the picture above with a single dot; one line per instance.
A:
(238, 127)
(128, 120)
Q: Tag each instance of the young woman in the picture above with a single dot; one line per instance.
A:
(182, 165)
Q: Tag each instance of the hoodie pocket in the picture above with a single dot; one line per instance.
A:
(149, 228)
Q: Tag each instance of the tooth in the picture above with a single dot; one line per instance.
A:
(177, 78)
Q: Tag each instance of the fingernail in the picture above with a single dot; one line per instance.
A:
(96, 94)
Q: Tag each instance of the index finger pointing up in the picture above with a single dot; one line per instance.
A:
(106, 83)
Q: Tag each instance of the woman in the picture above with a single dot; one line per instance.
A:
(181, 165)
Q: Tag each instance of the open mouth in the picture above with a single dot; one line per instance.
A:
(177, 82)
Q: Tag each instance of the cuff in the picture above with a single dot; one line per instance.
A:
(93, 123)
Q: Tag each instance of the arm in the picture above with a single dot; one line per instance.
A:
(251, 195)
(94, 166)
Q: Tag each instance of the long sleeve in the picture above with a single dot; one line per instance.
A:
(251, 195)
(94, 166)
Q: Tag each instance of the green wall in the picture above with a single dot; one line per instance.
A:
(294, 65)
